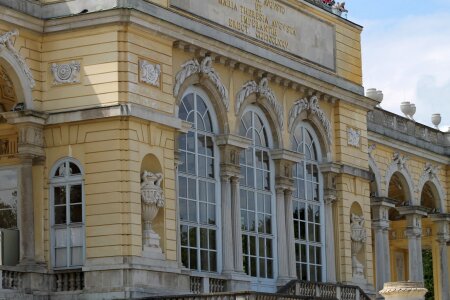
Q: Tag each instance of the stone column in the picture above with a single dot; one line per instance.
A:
(26, 226)
(282, 246)
(284, 184)
(414, 216)
(403, 291)
(236, 224)
(329, 173)
(29, 125)
(289, 216)
(227, 225)
(441, 222)
(380, 224)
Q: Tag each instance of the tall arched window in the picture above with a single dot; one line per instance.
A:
(67, 215)
(308, 206)
(197, 185)
(256, 195)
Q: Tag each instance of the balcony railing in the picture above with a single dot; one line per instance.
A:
(11, 280)
(318, 290)
(235, 296)
(207, 285)
(8, 145)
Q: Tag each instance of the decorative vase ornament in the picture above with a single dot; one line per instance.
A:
(152, 200)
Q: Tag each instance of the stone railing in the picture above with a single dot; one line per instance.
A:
(235, 296)
(11, 280)
(8, 145)
(68, 281)
(207, 285)
(323, 290)
(406, 130)
(400, 233)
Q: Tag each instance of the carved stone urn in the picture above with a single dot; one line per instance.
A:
(152, 200)
(358, 237)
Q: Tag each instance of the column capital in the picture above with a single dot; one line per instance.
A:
(284, 161)
(382, 201)
(442, 224)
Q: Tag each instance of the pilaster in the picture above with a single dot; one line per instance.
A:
(441, 222)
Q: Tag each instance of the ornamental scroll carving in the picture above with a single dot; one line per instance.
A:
(152, 200)
(66, 73)
(149, 73)
(262, 89)
(205, 68)
(311, 105)
(353, 137)
(358, 236)
(7, 44)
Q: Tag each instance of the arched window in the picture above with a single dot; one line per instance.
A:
(67, 215)
(308, 206)
(197, 185)
(256, 195)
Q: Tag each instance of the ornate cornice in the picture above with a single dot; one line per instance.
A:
(6, 44)
(262, 89)
(192, 67)
(311, 105)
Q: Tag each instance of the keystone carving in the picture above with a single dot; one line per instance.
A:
(205, 68)
(311, 105)
(262, 89)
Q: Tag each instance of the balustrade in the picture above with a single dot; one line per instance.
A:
(11, 280)
(69, 281)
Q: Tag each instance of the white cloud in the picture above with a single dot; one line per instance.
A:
(409, 60)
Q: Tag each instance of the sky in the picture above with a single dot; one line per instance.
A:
(406, 53)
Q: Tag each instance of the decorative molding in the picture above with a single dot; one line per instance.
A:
(312, 106)
(262, 89)
(353, 137)
(66, 72)
(370, 150)
(192, 67)
(149, 73)
(6, 43)
(430, 173)
(400, 160)
(398, 164)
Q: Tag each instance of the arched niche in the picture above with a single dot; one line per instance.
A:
(151, 163)
(431, 198)
(398, 189)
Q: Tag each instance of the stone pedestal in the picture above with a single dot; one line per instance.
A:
(403, 291)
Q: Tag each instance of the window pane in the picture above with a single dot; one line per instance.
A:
(76, 215)
(61, 170)
(73, 169)
(77, 236)
(60, 215)
(60, 238)
(60, 195)
(60, 257)
(77, 256)
(75, 194)
(8, 219)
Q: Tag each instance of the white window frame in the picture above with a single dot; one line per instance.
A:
(318, 161)
(259, 283)
(64, 181)
(215, 129)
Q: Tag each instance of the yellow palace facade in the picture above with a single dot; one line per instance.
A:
(168, 147)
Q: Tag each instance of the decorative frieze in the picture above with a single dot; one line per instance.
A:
(149, 73)
(353, 137)
(205, 68)
(263, 90)
(312, 106)
(65, 73)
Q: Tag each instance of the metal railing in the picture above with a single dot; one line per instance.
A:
(320, 290)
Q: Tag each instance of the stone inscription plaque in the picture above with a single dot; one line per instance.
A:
(271, 22)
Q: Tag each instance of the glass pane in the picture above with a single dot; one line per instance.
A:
(183, 209)
(203, 213)
(211, 193)
(211, 214)
(182, 186)
(77, 256)
(201, 106)
(60, 257)
(60, 195)
(185, 257)
(73, 169)
(193, 259)
(192, 189)
(212, 239)
(192, 237)
(213, 261)
(191, 163)
(182, 142)
(202, 194)
(202, 166)
(60, 238)
(192, 211)
(76, 215)
(203, 238)
(8, 219)
(75, 194)
(61, 170)
(76, 236)
(184, 235)
(60, 215)
(191, 141)
(210, 166)
(204, 260)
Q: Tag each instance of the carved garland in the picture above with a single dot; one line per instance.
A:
(263, 89)
(5, 42)
(313, 106)
(192, 67)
